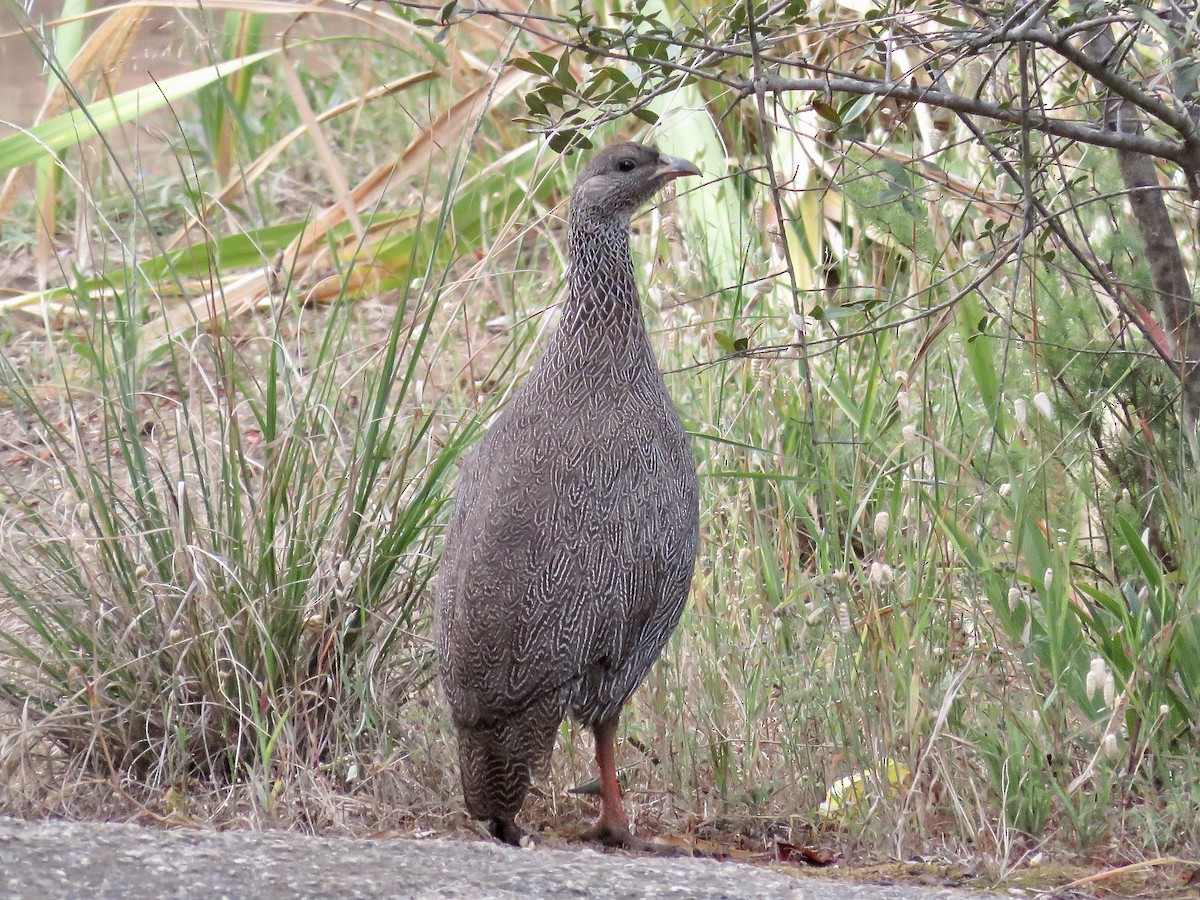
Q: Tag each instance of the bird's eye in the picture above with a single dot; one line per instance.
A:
(626, 165)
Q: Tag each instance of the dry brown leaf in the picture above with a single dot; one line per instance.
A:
(798, 853)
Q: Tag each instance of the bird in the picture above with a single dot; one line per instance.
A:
(569, 553)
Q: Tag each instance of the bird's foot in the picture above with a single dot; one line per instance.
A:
(615, 834)
(505, 830)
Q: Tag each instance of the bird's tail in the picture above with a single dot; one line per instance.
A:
(498, 760)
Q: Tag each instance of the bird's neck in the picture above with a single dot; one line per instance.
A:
(603, 315)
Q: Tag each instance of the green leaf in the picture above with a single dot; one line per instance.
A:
(825, 111)
(854, 110)
(525, 64)
(981, 357)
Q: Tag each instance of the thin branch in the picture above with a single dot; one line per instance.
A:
(1170, 150)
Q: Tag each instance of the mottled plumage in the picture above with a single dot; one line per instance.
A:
(572, 542)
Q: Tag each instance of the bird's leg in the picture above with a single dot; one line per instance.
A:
(612, 829)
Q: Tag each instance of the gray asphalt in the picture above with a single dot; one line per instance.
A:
(49, 859)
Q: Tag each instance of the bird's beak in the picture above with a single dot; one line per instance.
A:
(673, 167)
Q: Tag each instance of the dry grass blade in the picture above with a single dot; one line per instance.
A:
(308, 251)
(436, 140)
(333, 170)
(237, 187)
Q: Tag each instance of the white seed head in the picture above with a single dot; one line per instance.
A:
(1144, 594)
(1109, 746)
(743, 558)
(901, 376)
(880, 573)
(1097, 672)
(1048, 579)
(1126, 498)
(904, 403)
(1163, 711)
(141, 572)
(1045, 406)
(1014, 597)
(764, 287)
(1020, 414)
(796, 321)
(1110, 690)
(883, 521)
(910, 434)
(844, 617)
(1005, 491)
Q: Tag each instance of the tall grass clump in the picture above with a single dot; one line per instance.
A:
(214, 568)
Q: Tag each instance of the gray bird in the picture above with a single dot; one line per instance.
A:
(571, 546)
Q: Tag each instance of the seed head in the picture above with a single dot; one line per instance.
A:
(883, 521)
(1044, 405)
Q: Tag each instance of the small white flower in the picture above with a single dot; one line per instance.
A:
(883, 521)
(1005, 491)
(1044, 405)
(1163, 710)
(1109, 747)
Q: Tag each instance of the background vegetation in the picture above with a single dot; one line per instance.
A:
(270, 267)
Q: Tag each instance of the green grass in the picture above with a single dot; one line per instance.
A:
(228, 460)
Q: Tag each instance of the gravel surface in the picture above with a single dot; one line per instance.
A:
(88, 860)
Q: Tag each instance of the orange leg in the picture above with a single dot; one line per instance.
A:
(612, 829)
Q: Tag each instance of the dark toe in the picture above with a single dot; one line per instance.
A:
(505, 830)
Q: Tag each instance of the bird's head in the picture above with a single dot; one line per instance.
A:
(619, 179)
